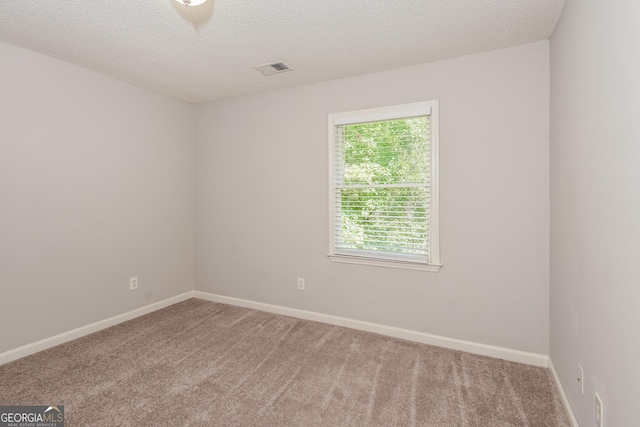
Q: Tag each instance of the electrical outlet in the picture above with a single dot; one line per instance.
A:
(599, 412)
(133, 283)
(301, 283)
(580, 380)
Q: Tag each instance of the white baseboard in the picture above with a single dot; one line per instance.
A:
(421, 337)
(416, 336)
(26, 350)
(563, 396)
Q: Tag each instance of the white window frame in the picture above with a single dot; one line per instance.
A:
(390, 113)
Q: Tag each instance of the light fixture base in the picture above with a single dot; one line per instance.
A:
(191, 2)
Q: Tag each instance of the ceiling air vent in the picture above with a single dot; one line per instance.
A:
(274, 68)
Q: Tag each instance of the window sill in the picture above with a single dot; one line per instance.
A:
(385, 263)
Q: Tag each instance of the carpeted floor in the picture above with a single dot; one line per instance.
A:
(200, 363)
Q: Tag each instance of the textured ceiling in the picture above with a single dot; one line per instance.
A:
(208, 52)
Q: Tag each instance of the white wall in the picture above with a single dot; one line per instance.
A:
(96, 185)
(262, 213)
(595, 206)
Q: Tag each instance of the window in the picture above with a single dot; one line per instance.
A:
(384, 186)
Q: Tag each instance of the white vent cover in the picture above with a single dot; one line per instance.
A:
(273, 68)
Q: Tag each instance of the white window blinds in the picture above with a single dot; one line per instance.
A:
(382, 176)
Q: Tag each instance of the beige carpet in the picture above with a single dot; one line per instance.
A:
(199, 363)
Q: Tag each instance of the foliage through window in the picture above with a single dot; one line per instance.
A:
(384, 169)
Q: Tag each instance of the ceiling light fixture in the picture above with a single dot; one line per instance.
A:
(191, 2)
